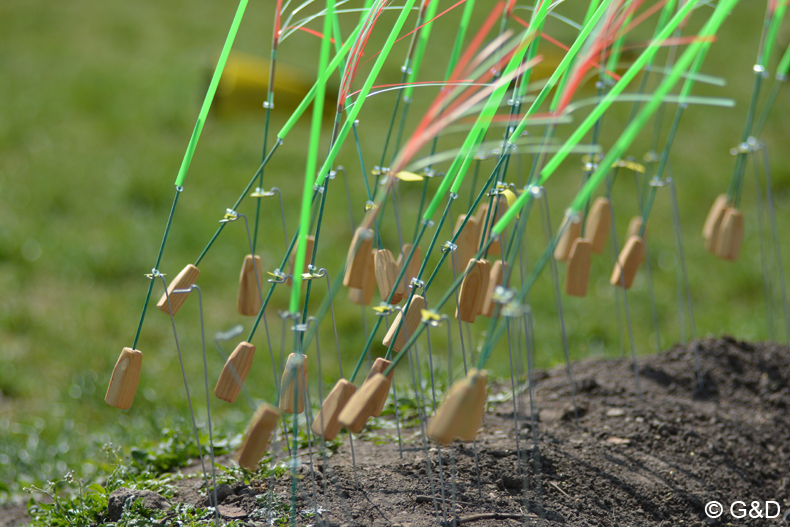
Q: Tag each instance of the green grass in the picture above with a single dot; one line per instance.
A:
(99, 100)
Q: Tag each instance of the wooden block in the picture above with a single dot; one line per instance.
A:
(710, 230)
(249, 300)
(628, 262)
(326, 423)
(578, 275)
(461, 413)
(633, 228)
(379, 365)
(235, 371)
(293, 384)
(410, 324)
(466, 242)
(730, 235)
(496, 277)
(360, 406)
(124, 380)
(184, 280)
(599, 220)
(386, 276)
(472, 291)
(357, 257)
(496, 247)
(257, 437)
(414, 265)
(476, 410)
(486, 270)
(562, 251)
(364, 296)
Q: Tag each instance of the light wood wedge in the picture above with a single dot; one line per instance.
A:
(361, 405)
(379, 366)
(125, 378)
(486, 270)
(578, 273)
(634, 226)
(573, 229)
(234, 373)
(249, 299)
(466, 242)
(364, 296)
(470, 292)
(257, 437)
(710, 231)
(326, 423)
(730, 235)
(356, 260)
(184, 280)
(293, 384)
(496, 277)
(628, 263)
(413, 268)
(496, 247)
(386, 277)
(410, 324)
(599, 220)
(461, 413)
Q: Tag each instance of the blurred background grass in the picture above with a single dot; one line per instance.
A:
(98, 103)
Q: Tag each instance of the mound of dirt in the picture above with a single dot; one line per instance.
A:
(648, 451)
(651, 452)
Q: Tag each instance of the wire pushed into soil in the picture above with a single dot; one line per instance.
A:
(654, 461)
(629, 461)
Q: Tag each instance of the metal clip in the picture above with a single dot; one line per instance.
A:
(154, 274)
(430, 317)
(230, 215)
(260, 193)
(279, 277)
(448, 246)
(384, 310)
(416, 283)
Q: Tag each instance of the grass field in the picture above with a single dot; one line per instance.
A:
(98, 103)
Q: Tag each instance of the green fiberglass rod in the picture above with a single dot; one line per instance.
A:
(312, 155)
(360, 100)
(625, 139)
(422, 43)
(333, 65)
(562, 67)
(610, 97)
(212, 89)
(596, 113)
(481, 125)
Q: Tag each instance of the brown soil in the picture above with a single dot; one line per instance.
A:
(654, 460)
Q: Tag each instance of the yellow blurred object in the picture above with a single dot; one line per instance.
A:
(245, 81)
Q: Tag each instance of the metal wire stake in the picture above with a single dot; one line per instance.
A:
(256, 272)
(769, 304)
(682, 255)
(536, 461)
(616, 252)
(558, 298)
(777, 247)
(424, 440)
(184, 376)
(195, 287)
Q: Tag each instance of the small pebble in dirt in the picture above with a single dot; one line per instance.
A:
(223, 491)
(123, 496)
(615, 412)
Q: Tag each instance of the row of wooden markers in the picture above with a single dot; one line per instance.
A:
(345, 406)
